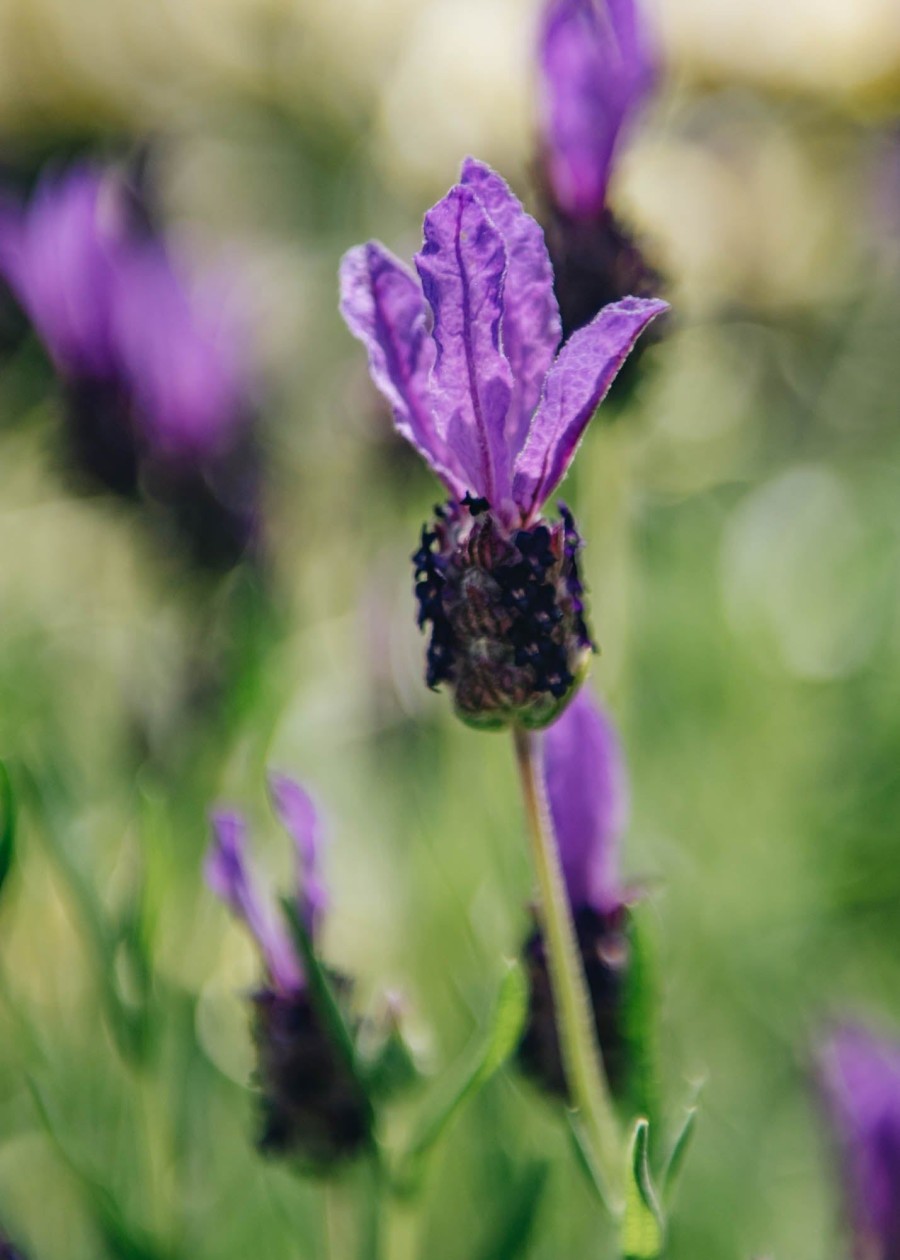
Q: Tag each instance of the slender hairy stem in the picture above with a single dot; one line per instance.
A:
(580, 1053)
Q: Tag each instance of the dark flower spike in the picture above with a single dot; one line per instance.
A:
(861, 1079)
(597, 68)
(497, 413)
(587, 792)
(312, 1105)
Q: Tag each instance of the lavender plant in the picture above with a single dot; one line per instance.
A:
(498, 414)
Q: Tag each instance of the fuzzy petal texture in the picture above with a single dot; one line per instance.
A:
(228, 874)
(298, 815)
(462, 266)
(861, 1077)
(58, 255)
(383, 306)
(531, 328)
(587, 789)
(574, 388)
(597, 67)
(179, 355)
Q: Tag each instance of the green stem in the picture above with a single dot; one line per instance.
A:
(580, 1053)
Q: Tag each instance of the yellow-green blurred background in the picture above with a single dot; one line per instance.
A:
(743, 556)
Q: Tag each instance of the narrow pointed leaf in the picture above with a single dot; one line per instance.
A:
(7, 825)
(642, 1226)
(679, 1151)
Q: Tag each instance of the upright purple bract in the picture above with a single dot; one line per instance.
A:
(596, 68)
(484, 397)
(861, 1078)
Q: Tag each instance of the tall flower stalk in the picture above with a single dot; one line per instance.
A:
(582, 1063)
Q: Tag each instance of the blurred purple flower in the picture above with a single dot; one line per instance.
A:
(157, 389)
(587, 790)
(230, 877)
(467, 358)
(861, 1079)
(312, 1107)
(587, 793)
(597, 68)
(8, 1251)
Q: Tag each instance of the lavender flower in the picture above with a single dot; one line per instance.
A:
(151, 368)
(312, 1106)
(861, 1078)
(467, 358)
(587, 792)
(597, 68)
(8, 1251)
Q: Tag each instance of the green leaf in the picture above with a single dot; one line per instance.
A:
(679, 1150)
(584, 1156)
(7, 824)
(640, 1004)
(503, 1037)
(642, 1225)
(513, 1233)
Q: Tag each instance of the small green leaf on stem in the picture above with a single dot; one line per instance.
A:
(642, 1224)
(679, 1150)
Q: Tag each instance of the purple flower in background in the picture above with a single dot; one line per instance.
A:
(312, 1107)
(587, 792)
(8, 1251)
(466, 355)
(597, 67)
(150, 363)
(861, 1079)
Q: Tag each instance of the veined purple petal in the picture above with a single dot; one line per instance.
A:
(178, 355)
(58, 256)
(228, 875)
(297, 814)
(462, 267)
(587, 789)
(531, 329)
(383, 306)
(861, 1077)
(597, 67)
(575, 386)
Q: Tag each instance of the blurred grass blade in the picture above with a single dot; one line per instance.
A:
(581, 1148)
(679, 1150)
(8, 821)
(642, 1226)
(503, 1036)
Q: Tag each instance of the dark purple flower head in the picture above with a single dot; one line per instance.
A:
(597, 68)
(8, 1251)
(861, 1078)
(312, 1106)
(587, 793)
(467, 358)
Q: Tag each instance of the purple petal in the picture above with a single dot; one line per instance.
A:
(297, 814)
(58, 256)
(587, 790)
(531, 326)
(575, 386)
(861, 1076)
(462, 266)
(228, 875)
(596, 69)
(384, 307)
(178, 355)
